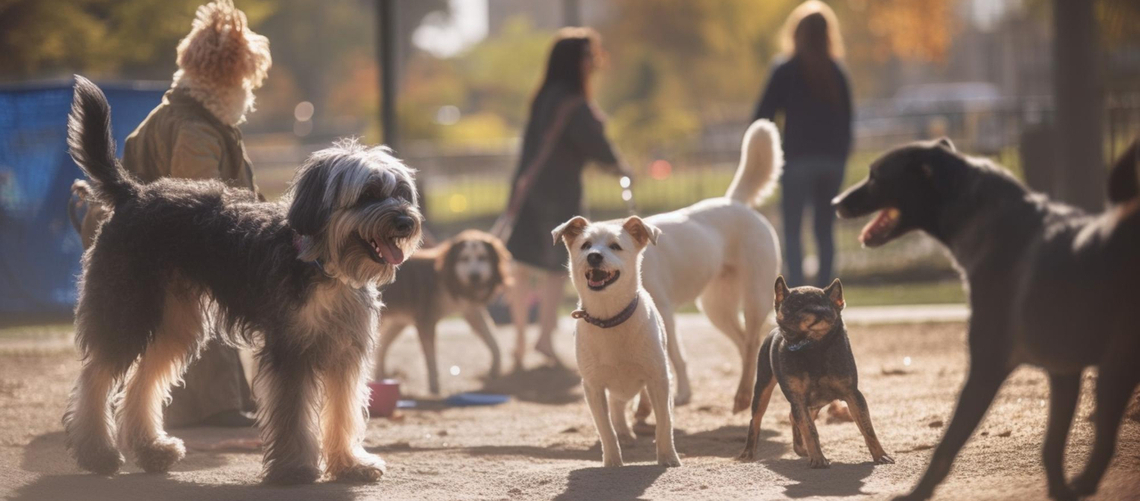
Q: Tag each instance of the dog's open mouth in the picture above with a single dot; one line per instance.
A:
(598, 279)
(383, 251)
(879, 230)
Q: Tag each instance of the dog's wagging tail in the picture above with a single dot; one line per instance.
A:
(93, 148)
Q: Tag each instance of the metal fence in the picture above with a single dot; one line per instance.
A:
(469, 189)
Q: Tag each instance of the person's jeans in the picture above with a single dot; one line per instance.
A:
(813, 181)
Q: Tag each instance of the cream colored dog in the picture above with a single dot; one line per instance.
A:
(620, 340)
(725, 255)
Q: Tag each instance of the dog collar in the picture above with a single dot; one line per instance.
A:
(299, 244)
(614, 321)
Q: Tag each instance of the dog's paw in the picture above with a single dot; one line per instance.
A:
(683, 397)
(644, 428)
(100, 460)
(1062, 493)
(820, 462)
(159, 455)
(612, 462)
(911, 497)
(627, 439)
(884, 459)
(746, 456)
(361, 473)
(363, 468)
(1083, 486)
(669, 460)
(742, 402)
(799, 450)
(292, 475)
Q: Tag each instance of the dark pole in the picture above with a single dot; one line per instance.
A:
(386, 37)
(1079, 99)
(571, 14)
(389, 75)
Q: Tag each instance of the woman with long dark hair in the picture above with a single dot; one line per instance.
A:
(565, 131)
(810, 88)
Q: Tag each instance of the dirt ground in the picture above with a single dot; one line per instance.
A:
(542, 444)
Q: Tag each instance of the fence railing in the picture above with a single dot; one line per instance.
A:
(470, 189)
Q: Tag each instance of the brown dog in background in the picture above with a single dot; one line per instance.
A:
(461, 275)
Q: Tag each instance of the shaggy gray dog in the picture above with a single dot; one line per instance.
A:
(180, 261)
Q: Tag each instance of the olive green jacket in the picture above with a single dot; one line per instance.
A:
(180, 138)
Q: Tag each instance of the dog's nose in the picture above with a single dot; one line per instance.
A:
(404, 225)
(594, 258)
(475, 278)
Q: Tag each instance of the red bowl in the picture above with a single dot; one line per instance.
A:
(384, 395)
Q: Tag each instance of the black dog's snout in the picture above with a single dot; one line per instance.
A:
(404, 225)
(594, 258)
(475, 278)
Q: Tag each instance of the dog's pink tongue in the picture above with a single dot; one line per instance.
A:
(391, 253)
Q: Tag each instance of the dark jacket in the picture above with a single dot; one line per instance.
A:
(813, 126)
(556, 193)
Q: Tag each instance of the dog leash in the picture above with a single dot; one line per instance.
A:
(614, 321)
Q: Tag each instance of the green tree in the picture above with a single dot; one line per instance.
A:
(129, 38)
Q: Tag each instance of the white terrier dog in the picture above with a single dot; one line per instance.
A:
(725, 255)
(620, 338)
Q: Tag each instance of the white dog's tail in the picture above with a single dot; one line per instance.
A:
(761, 162)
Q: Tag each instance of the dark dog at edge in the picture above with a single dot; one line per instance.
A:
(1049, 285)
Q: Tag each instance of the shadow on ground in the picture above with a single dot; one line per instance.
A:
(627, 482)
(205, 449)
(727, 442)
(837, 481)
(545, 385)
(165, 487)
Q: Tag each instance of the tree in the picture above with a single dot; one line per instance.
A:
(131, 38)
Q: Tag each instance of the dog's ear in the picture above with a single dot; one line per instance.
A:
(782, 291)
(569, 230)
(445, 263)
(835, 294)
(642, 232)
(308, 211)
(501, 261)
(945, 143)
(1123, 182)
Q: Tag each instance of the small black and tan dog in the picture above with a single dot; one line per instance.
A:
(810, 356)
(1049, 285)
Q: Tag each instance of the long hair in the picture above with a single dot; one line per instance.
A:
(811, 35)
(564, 66)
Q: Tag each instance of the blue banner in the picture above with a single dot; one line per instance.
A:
(39, 249)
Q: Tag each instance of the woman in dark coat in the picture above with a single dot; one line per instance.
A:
(810, 88)
(565, 131)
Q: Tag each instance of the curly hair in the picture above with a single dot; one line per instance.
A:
(222, 50)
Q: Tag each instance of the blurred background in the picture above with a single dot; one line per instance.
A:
(1028, 83)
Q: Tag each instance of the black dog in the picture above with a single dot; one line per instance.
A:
(1049, 286)
(810, 356)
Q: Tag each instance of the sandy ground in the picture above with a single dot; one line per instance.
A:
(542, 444)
